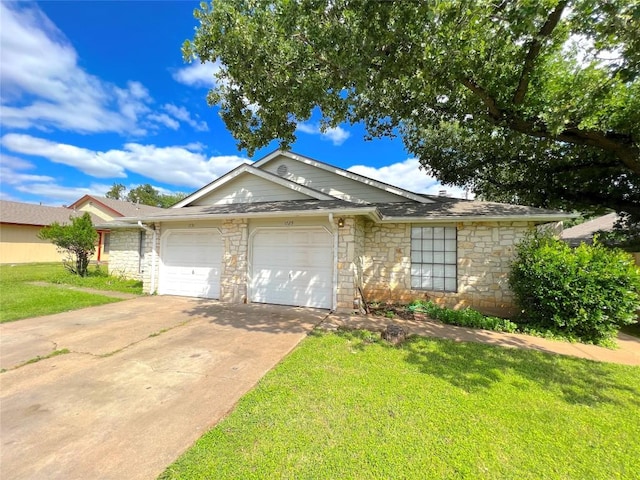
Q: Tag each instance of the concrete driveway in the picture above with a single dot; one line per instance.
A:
(145, 378)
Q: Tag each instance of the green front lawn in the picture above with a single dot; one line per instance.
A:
(343, 407)
(19, 299)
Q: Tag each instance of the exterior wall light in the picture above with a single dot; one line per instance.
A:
(341, 222)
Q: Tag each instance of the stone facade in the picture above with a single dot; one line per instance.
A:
(346, 265)
(485, 252)
(373, 262)
(149, 276)
(233, 274)
(124, 257)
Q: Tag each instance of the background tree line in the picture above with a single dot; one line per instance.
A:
(144, 194)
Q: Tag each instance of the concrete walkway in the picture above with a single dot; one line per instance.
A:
(144, 380)
(628, 352)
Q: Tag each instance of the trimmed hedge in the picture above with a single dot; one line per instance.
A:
(588, 292)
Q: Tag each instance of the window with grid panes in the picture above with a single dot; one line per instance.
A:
(434, 258)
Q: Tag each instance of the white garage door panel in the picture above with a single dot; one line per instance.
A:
(292, 267)
(191, 264)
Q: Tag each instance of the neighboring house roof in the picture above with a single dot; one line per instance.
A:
(585, 231)
(118, 208)
(19, 213)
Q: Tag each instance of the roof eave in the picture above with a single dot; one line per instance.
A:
(367, 211)
(542, 218)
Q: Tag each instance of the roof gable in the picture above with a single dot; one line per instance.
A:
(108, 208)
(335, 181)
(223, 185)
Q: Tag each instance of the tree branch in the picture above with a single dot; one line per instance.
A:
(579, 197)
(622, 146)
(534, 50)
(495, 112)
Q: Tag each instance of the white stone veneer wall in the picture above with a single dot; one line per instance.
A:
(485, 253)
(123, 253)
(347, 274)
(124, 257)
(233, 274)
(147, 260)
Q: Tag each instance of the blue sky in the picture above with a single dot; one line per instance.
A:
(97, 93)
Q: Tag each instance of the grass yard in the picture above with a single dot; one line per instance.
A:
(19, 299)
(343, 406)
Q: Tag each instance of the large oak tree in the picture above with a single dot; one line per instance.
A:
(531, 101)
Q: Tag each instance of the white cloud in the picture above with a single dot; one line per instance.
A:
(183, 114)
(336, 135)
(198, 74)
(11, 172)
(13, 177)
(9, 161)
(92, 163)
(408, 175)
(44, 87)
(165, 119)
(175, 165)
(6, 196)
(52, 193)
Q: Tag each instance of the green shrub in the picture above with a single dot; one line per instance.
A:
(465, 318)
(588, 292)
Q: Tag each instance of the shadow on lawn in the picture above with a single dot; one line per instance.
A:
(473, 367)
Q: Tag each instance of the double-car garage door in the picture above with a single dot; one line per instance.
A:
(287, 266)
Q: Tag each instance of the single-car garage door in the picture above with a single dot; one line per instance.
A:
(292, 266)
(190, 263)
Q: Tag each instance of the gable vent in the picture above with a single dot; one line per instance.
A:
(282, 170)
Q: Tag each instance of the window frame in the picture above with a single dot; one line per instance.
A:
(440, 257)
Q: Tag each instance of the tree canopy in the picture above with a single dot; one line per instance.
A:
(145, 194)
(528, 101)
(77, 240)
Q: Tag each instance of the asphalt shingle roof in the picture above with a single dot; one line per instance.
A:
(584, 232)
(455, 207)
(257, 208)
(33, 214)
(125, 208)
(442, 208)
